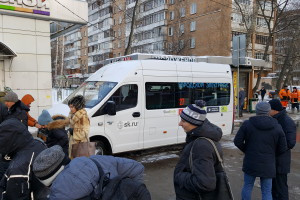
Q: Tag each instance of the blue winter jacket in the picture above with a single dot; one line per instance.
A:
(81, 175)
(261, 138)
(283, 161)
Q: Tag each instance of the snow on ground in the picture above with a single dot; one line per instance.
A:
(156, 157)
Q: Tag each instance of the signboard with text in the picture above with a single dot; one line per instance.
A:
(71, 11)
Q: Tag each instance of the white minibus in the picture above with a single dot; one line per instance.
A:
(134, 101)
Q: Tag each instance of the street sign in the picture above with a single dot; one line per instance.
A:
(239, 50)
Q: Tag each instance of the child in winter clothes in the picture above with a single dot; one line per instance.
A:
(79, 122)
(55, 130)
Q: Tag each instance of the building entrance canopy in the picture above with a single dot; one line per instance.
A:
(6, 52)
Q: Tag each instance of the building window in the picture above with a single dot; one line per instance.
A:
(120, 19)
(265, 5)
(172, 15)
(192, 43)
(244, 1)
(182, 12)
(170, 31)
(193, 8)
(181, 44)
(259, 55)
(236, 18)
(181, 29)
(260, 39)
(193, 26)
(172, 1)
(261, 22)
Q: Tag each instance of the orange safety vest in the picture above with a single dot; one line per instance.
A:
(284, 95)
(295, 96)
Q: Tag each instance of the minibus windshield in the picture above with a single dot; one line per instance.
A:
(93, 92)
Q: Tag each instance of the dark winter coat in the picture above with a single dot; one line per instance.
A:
(3, 112)
(283, 161)
(19, 111)
(17, 144)
(189, 185)
(261, 138)
(81, 175)
(57, 135)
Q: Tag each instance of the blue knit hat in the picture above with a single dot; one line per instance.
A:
(195, 113)
(44, 118)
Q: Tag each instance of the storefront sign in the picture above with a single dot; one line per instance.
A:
(42, 6)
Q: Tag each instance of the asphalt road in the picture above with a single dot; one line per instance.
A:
(160, 163)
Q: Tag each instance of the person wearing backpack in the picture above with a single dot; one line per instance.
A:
(195, 175)
(90, 178)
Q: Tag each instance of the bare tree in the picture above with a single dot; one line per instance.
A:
(271, 11)
(132, 27)
(288, 46)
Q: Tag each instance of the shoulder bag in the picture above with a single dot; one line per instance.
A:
(223, 189)
(86, 149)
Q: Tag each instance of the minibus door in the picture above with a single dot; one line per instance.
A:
(124, 127)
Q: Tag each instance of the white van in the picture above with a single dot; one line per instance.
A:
(134, 102)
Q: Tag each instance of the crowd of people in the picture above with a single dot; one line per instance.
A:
(46, 168)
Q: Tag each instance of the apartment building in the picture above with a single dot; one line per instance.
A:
(69, 55)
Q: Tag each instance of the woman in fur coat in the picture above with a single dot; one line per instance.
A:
(79, 122)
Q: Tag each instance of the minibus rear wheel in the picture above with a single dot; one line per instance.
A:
(101, 148)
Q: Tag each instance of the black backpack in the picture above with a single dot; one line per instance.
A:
(118, 188)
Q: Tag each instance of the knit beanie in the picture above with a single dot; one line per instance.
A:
(195, 113)
(78, 102)
(11, 97)
(45, 118)
(49, 162)
(262, 108)
(276, 105)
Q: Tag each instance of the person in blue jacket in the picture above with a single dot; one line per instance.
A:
(283, 162)
(260, 138)
(78, 179)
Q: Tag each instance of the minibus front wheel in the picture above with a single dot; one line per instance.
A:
(101, 148)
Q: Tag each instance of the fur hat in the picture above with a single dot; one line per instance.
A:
(48, 164)
(78, 102)
(45, 118)
(195, 113)
(262, 108)
(11, 97)
(276, 105)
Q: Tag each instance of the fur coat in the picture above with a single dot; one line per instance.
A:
(80, 123)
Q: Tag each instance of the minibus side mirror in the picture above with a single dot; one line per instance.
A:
(111, 108)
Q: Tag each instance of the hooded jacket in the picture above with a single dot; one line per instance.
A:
(80, 176)
(261, 138)
(17, 144)
(28, 99)
(19, 111)
(283, 161)
(3, 112)
(56, 133)
(189, 185)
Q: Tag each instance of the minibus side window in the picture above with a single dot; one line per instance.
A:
(161, 95)
(214, 94)
(179, 95)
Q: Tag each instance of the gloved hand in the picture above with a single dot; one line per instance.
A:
(70, 130)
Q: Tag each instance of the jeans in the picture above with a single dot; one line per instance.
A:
(266, 187)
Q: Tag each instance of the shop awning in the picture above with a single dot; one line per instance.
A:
(6, 52)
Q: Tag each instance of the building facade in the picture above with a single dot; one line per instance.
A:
(25, 56)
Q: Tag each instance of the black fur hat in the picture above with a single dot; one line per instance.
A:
(78, 102)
